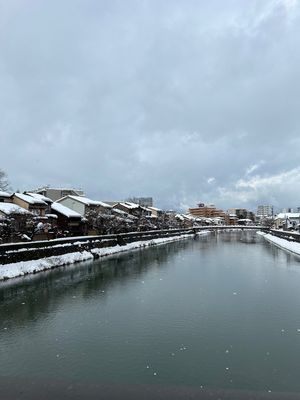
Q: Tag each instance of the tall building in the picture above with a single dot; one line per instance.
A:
(206, 211)
(265, 211)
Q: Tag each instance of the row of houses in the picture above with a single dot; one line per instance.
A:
(71, 213)
(233, 216)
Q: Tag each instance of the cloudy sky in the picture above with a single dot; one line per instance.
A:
(182, 100)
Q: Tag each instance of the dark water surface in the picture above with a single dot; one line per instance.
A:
(221, 311)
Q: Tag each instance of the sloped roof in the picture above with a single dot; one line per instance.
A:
(38, 196)
(154, 208)
(130, 206)
(10, 208)
(287, 215)
(67, 212)
(86, 201)
(4, 194)
(30, 200)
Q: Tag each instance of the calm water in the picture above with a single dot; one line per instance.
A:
(221, 311)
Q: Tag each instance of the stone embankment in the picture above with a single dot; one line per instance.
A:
(286, 240)
(18, 259)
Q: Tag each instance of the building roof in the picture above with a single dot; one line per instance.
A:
(129, 205)
(10, 208)
(287, 215)
(86, 201)
(30, 200)
(38, 196)
(66, 211)
(153, 208)
(4, 194)
(125, 204)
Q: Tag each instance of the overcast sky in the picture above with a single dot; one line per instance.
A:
(186, 101)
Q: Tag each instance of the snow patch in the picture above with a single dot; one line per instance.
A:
(28, 267)
(284, 244)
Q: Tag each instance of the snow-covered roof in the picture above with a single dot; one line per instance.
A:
(103, 204)
(38, 196)
(129, 205)
(116, 210)
(190, 217)
(51, 216)
(287, 215)
(10, 208)
(28, 199)
(86, 201)
(67, 212)
(4, 194)
(154, 208)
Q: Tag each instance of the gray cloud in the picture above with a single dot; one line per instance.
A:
(184, 100)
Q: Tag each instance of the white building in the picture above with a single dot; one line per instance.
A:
(264, 211)
(287, 220)
(83, 205)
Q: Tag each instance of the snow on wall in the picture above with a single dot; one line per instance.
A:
(284, 244)
(28, 267)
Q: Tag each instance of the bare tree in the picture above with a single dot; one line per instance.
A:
(4, 184)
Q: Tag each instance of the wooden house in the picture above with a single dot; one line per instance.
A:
(133, 209)
(5, 197)
(83, 205)
(67, 219)
(35, 206)
(40, 197)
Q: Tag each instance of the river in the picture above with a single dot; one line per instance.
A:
(221, 311)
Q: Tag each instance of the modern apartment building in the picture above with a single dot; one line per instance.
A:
(206, 211)
(264, 211)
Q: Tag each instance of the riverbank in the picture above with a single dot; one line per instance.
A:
(292, 247)
(13, 270)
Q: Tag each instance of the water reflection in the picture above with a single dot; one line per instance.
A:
(219, 311)
(28, 298)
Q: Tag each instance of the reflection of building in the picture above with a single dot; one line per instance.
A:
(264, 211)
(207, 211)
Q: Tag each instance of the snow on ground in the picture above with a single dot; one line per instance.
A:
(284, 244)
(28, 267)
